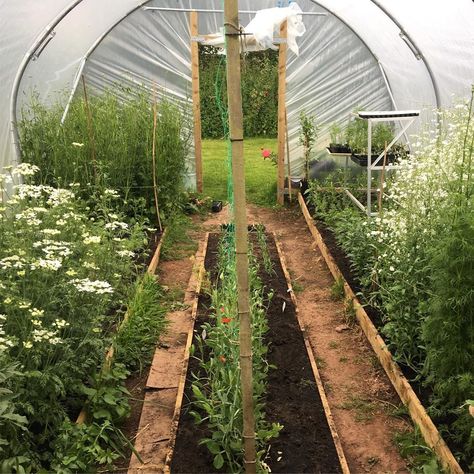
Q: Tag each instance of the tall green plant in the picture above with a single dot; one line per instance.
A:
(119, 157)
(307, 137)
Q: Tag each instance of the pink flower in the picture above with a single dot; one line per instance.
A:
(266, 153)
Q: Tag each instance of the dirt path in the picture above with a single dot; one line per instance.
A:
(359, 393)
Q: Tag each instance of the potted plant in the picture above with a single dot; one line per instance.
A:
(337, 145)
(382, 134)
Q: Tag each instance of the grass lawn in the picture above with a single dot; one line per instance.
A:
(260, 174)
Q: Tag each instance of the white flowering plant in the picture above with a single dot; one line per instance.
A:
(65, 273)
(415, 263)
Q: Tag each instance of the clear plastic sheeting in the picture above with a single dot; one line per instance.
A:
(266, 25)
(264, 28)
(372, 54)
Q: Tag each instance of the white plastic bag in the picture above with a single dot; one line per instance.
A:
(266, 25)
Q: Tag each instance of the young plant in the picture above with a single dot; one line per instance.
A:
(262, 242)
(137, 337)
(307, 138)
(216, 390)
(335, 132)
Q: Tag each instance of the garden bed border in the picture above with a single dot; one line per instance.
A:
(402, 386)
(192, 298)
(314, 366)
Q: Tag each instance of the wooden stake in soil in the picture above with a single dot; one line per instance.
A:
(382, 179)
(234, 94)
(288, 164)
(90, 128)
(194, 30)
(281, 116)
(153, 154)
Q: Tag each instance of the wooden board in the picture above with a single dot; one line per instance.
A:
(156, 256)
(281, 116)
(194, 30)
(191, 298)
(416, 410)
(314, 366)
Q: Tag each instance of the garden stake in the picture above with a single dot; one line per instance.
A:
(90, 128)
(382, 176)
(290, 193)
(153, 153)
(234, 94)
(281, 114)
(194, 30)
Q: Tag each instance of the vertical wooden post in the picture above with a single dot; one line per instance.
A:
(153, 160)
(234, 95)
(281, 116)
(194, 30)
(288, 164)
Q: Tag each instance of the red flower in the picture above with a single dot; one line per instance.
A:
(226, 320)
(266, 153)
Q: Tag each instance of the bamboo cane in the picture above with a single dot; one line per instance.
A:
(234, 94)
(290, 193)
(194, 30)
(90, 128)
(382, 177)
(153, 155)
(281, 115)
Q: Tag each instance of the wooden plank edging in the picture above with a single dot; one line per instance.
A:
(406, 393)
(151, 269)
(194, 288)
(314, 366)
(156, 256)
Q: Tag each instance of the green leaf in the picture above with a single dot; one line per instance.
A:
(218, 461)
(102, 414)
(213, 447)
(110, 399)
(197, 392)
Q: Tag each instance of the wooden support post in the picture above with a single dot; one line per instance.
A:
(153, 159)
(288, 164)
(194, 30)
(234, 95)
(281, 116)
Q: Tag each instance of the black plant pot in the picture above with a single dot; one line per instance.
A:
(216, 206)
(362, 160)
(339, 148)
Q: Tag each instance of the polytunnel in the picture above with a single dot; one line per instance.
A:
(371, 53)
(285, 315)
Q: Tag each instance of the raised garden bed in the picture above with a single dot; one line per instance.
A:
(405, 391)
(306, 443)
